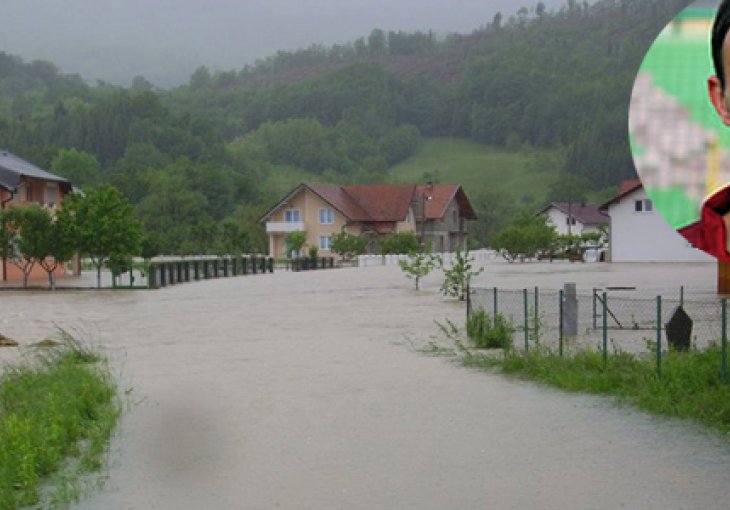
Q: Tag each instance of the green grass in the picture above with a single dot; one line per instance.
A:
(690, 386)
(479, 168)
(57, 412)
(520, 174)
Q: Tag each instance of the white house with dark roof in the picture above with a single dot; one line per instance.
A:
(638, 233)
(575, 218)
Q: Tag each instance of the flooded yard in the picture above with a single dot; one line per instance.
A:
(307, 391)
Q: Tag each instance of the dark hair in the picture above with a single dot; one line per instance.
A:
(719, 30)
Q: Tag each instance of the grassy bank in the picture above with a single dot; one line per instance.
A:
(57, 412)
(690, 385)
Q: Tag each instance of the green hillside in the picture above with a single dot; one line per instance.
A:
(523, 175)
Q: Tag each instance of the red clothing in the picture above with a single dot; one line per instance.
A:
(710, 234)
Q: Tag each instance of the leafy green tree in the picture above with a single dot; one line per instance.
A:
(349, 245)
(525, 236)
(418, 265)
(294, 242)
(59, 245)
(458, 277)
(150, 245)
(104, 225)
(234, 239)
(79, 167)
(569, 188)
(28, 229)
(401, 242)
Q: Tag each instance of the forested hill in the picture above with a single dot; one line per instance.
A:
(195, 160)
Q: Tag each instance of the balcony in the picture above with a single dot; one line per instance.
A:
(284, 227)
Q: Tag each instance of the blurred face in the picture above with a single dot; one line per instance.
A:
(718, 95)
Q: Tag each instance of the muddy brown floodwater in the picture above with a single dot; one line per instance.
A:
(306, 391)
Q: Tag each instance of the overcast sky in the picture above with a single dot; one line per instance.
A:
(165, 40)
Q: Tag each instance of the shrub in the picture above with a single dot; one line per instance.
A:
(489, 332)
(458, 276)
(61, 405)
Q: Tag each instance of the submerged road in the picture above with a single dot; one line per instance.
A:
(306, 391)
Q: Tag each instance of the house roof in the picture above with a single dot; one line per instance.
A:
(587, 214)
(13, 169)
(384, 203)
(438, 197)
(339, 199)
(627, 187)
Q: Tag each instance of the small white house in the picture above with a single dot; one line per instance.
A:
(638, 233)
(575, 218)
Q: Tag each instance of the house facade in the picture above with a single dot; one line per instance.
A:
(436, 213)
(575, 218)
(23, 183)
(638, 233)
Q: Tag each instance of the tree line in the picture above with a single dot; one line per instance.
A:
(197, 162)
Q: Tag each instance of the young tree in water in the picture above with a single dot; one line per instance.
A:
(104, 225)
(27, 229)
(59, 245)
(418, 265)
(459, 275)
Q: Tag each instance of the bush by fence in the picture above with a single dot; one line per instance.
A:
(624, 319)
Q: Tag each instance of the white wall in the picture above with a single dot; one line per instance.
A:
(646, 236)
(559, 219)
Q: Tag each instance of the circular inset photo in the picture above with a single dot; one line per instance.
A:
(679, 125)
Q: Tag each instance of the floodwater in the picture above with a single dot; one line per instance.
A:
(307, 391)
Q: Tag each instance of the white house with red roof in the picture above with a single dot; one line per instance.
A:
(436, 213)
(638, 233)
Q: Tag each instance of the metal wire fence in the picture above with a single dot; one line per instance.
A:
(623, 318)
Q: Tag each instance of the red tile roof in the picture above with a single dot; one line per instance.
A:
(438, 197)
(340, 200)
(384, 204)
(627, 187)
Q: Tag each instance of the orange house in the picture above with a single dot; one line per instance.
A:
(436, 213)
(23, 183)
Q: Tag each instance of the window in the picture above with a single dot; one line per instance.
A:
(570, 220)
(643, 205)
(51, 195)
(34, 192)
(292, 215)
(326, 217)
(325, 242)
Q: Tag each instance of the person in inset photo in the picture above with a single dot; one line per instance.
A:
(680, 141)
(710, 233)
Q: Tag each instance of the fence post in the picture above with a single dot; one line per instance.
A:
(152, 276)
(468, 301)
(537, 317)
(723, 366)
(659, 337)
(681, 296)
(494, 302)
(605, 330)
(594, 310)
(526, 313)
(560, 322)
